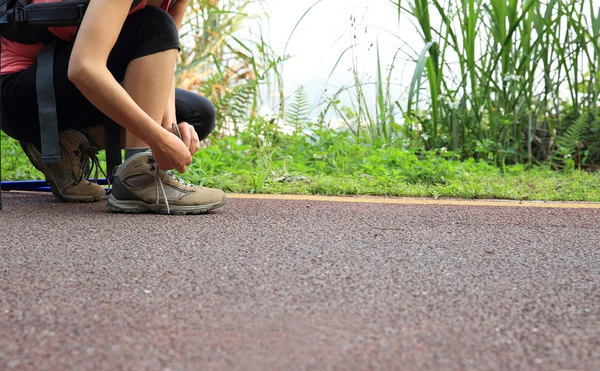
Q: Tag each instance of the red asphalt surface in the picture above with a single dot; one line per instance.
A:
(275, 284)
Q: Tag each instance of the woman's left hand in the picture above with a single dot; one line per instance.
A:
(189, 137)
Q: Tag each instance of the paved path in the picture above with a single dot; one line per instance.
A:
(292, 285)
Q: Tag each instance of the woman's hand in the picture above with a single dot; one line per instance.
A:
(171, 153)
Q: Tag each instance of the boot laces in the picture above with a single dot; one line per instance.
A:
(88, 163)
(158, 181)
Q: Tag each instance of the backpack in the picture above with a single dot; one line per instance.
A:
(27, 23)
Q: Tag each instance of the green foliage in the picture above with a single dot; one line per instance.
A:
(572, 139)
(298, 112)
(336, 163)
(14, 163)
(233, 105)
(579, 144)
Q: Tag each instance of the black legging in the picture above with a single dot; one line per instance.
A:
(148, 31)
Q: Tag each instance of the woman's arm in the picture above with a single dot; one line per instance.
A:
(188, 134)
(97, 36)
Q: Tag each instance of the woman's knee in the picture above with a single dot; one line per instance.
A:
(157, 29)
(196, 110)
(148, 31)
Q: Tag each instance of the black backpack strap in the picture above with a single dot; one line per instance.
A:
(47, 105)
(29, 24)
(61, 13)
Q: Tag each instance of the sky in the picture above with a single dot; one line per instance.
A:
(326, 31)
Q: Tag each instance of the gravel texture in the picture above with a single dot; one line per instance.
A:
(274, 284)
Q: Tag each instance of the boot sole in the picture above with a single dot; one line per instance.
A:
(54, 188)
(140, 207)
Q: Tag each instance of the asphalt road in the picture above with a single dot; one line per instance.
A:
(293, 285)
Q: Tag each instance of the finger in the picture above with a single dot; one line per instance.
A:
(186, 134)
(181, 169)
(195, 144)
(194, 149)
(190, 137)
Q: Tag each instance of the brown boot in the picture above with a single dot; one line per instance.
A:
(68, 178)
(139, 186)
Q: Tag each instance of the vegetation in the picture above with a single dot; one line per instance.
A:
(503, 103)
(508, 81)
(527, 91)
(265, 160)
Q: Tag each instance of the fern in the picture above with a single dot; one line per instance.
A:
(571, 148)
(572, 139)
(233, 104)
(298, 114)
(237, 103)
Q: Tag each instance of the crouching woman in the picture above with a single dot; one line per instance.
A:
(120, 66)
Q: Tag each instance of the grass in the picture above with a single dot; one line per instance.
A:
(333, 163)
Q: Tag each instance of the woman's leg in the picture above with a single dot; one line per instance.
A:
(148, 81)
(196, 110)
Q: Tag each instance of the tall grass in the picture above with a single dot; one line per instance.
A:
(527, 74)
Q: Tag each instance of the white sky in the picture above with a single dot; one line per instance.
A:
(326, 31)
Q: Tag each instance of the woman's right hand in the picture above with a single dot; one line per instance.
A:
(171, 153)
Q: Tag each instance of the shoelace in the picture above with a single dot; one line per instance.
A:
(158, 180)
(85, 157)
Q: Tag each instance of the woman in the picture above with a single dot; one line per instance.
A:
(119, 66)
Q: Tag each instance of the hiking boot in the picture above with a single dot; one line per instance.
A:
(139, 186)
(68, 178)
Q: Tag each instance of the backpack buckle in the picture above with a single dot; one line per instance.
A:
(17, 15)
(81, 10)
